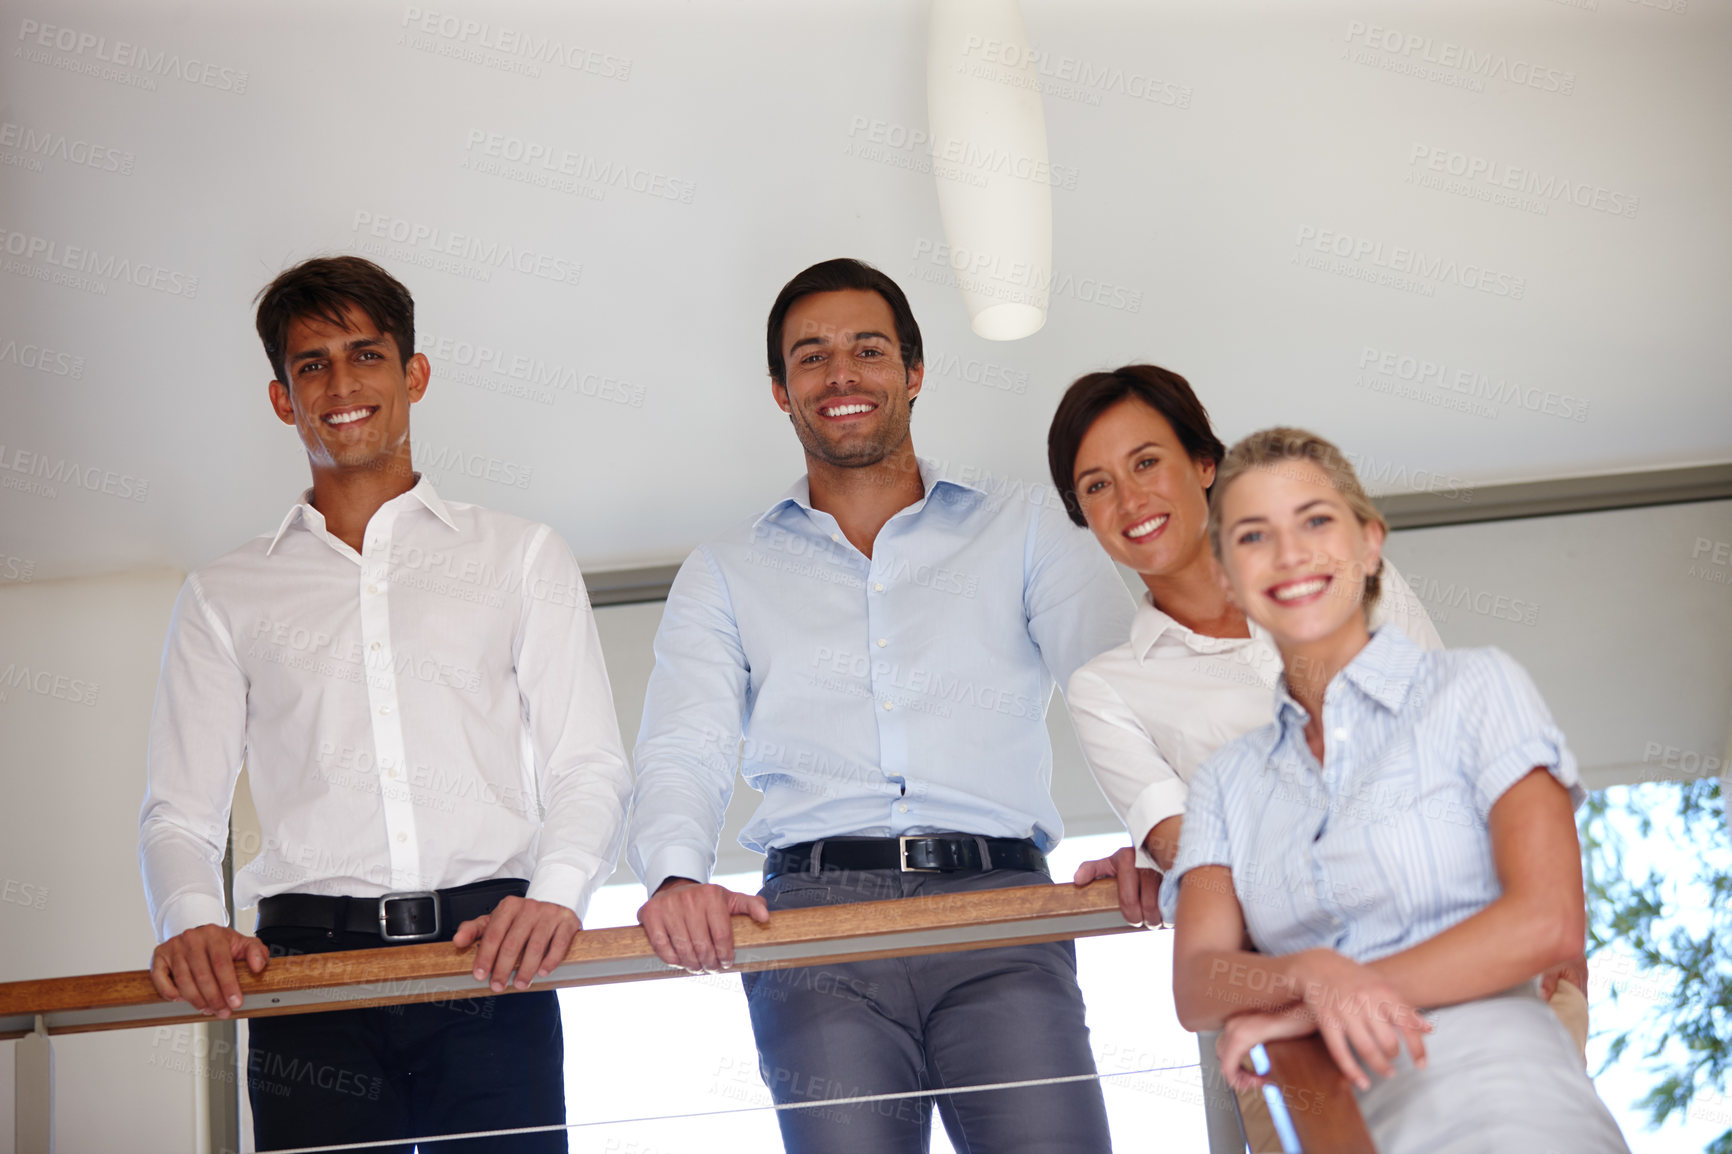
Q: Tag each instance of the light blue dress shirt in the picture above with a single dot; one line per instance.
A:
(1388, 845)
(901, 693)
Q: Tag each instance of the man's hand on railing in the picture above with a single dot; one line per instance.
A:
(530, 937)
(198, 967)
(1139, 889)
(1358, 1012)
(689, 925)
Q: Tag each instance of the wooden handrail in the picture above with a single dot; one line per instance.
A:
(438, 971)
(1307, 1091)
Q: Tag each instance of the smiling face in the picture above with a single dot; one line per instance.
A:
(1144, 497)
(847, 390)
(348, 392)
(1293, 553)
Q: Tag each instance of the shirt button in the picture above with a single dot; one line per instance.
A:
(372, 588)
(835, 536)
(903, 807)
(878, 586)
(374, 647)
(882, 642)
(1340, 735)
(384, 709)
(402, 837)
(889, 705)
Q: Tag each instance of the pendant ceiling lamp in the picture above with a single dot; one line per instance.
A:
(990, 163)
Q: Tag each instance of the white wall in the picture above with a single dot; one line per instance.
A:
(72, 742)
(1206, 153)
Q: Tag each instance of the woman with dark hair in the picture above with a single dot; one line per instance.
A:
(1397, 838)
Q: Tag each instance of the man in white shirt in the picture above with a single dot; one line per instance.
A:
(416, 688)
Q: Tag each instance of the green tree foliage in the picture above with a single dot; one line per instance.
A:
(1676, 926)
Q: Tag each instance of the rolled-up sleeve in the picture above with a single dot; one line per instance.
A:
(197, 743)
(1512, 732)
(1143, 789)
(580, 767)
(689, 743)
(1203, 840)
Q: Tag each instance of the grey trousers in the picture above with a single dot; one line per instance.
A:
(930, 1022)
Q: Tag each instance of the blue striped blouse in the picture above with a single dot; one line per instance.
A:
(1388, 845)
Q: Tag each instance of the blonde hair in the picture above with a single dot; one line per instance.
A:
(1271, 448)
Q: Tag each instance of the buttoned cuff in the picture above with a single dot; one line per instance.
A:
(1158, 801)
(564, 885)
(675, 862)
(188, 911)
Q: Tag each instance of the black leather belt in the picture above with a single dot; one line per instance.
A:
(941, 853)
(397, 918)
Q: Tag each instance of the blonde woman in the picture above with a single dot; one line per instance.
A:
(1398, 843)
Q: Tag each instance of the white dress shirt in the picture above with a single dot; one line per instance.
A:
(430, 712)
(1149, 712)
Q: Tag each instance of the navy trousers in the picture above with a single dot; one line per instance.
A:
(394, 1072)
(926, 1023)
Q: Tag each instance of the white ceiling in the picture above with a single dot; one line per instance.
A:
(1193, 213)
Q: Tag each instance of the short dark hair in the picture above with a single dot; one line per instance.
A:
(323, 288)
(1162, 390)
(839, 275)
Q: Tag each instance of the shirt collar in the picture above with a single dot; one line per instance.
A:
(1382, 671)
(1149, 626)
(303, 510)
(1151, 623)
(800, 492)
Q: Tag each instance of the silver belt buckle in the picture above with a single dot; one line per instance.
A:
(385, 933)
(902, 850)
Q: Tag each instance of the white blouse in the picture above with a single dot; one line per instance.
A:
(1152, 710)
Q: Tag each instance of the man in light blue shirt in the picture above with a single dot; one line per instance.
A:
(876, 652)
